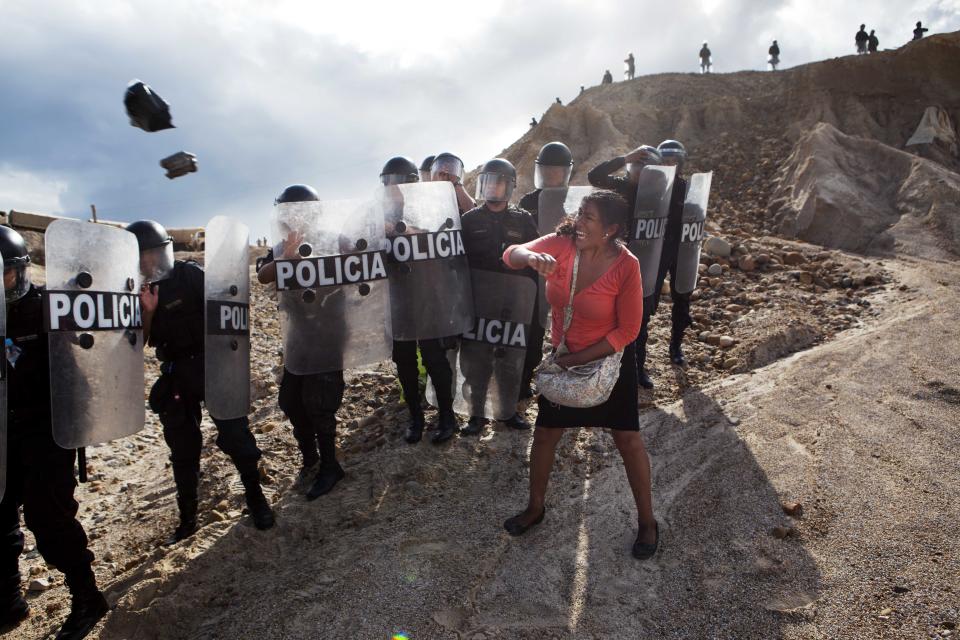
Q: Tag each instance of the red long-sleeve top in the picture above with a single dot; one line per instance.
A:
(611, 307)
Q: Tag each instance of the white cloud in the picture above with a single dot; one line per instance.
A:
(25, 191)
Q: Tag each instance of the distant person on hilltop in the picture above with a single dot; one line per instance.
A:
(631, 67)
(559, 101)
(533, 122)
(607, 77)
(861, 39)
(919, 31)
(873, 42)
(706, 58)
(774, 58)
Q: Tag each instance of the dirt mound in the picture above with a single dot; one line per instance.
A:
(862, 195)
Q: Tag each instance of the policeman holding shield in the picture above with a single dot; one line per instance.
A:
(488, 230)
(311, 400)
(172, 301)
(449, 167)
(39, 474)
(400, 170)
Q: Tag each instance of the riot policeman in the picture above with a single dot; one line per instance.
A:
(488, 230)
(39, 474)
(398, 170)
(425, 168)
(449, 167)
(310, 401)
(600, 176)
(673, 153)
(172, 301)
(552, 170)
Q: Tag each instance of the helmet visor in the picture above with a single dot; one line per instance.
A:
(547, 176)
(493, 187)
(157, 264)
(16, 281)
(450, 169)
(388, 179)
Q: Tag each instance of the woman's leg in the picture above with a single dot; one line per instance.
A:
(542, 453)
(637, 465)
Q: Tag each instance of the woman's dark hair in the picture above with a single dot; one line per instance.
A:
(613, 209)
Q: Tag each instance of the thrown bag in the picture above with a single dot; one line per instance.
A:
(585, 385)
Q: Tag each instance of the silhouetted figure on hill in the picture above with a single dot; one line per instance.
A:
(607, 77)
(861, 39)
(706, 58)
(630, 67)
(919, 31)
(533, 122)
(774, 52)
(873, 42)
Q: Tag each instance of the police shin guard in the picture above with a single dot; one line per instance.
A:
(187, 481)
(330, 472)
(87, 607)
(257, 504)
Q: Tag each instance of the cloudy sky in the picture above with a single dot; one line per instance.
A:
(272, 93)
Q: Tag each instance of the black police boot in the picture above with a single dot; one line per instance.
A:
(305, 476)
(14, 610)
(188, 520)
(447, 426)
(517, 422)
(415, 430)
(86, 609)
(474, 426)
(676, 355)
(644, 379)
(257, 504)
(327, 478)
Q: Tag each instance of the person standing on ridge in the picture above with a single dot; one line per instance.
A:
(607, 77)
(631, 67)
(774, 52)
(873, 42)
(919, 31)
(861, 39)
(706, 58)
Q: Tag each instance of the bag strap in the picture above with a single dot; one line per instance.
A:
(568, 310)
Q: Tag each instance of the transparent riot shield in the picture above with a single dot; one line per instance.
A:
(334, 295)
(654, 190)
(691, 231)
(556, 203)
(226, 338)
(3, 391)
(429, 276)
(491, 355)
(92, 315)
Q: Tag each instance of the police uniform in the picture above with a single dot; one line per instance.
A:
(40, 474)
(486, 235)
(177, 333)
(311, 403)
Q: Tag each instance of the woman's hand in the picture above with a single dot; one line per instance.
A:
(565, 361)
(149, 296)
(542, 263)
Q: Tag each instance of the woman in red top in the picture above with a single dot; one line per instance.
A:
(607, 312)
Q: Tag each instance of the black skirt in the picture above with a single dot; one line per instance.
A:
(618, 412)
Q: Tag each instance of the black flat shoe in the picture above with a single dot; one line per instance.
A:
(644, 551)
(515, 528)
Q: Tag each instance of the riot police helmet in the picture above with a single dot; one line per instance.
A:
(553, 166)
(156, 249)
(673, 152)
(297, 193)
(496, 181)
(425, 168)
(645, 156)
(447, 166)
(399, 170)
(16, 259)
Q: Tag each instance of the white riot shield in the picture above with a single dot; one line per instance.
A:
(92, 316)
(654, 190)
(226, 286)
(490, 360)
(429, 276)
(334, 296)
(691, 231)
(3, 390)
(557, 203)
